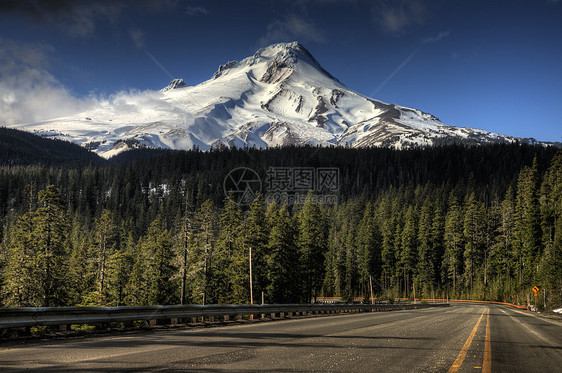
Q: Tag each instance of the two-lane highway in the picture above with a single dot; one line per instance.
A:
(462, 338)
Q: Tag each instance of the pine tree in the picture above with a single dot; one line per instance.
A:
(312, 245)
(158, 244)
(334, 263)
(408, 248)
(351, 266)
(38, 258)
(136, 290)
(51, 230)
(81, 276)
(527, 224)
(254, 237)
(552, 267)
(388, 255)
(21, 288)
(368, 242)
(104, 245)
(426, 250)
(551, 213)
(206, 223)
(186, 235)
(453, 241)
(119, 269)
(230, 221)
(473, 233)
(438, 249)
(282, 258)
(503, 258)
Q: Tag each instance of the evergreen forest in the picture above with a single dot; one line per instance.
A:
(463, 222)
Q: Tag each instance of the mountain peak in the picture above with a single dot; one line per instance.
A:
(281, 47)
(285, 56)
(288, 53)
(175, 83)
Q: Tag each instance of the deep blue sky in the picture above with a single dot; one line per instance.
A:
(495, 65)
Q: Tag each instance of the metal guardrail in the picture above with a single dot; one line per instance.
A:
(35, 316)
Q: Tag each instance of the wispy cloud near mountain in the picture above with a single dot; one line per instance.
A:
(292, 27)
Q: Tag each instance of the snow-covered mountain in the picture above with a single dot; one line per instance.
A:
(279, 96)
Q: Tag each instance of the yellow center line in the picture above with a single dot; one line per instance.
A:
(458, 362)
(487, 363)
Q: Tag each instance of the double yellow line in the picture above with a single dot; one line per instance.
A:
(487, 362)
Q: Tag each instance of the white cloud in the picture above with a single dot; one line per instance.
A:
(80, 19)
(125, 102)
(196, 11)
(35, 95)
(394, 20)
(138, 38)
(435, 39)
(397, 16)
(28, 92)
(292, 28)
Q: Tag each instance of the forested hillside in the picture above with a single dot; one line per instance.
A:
(477, 222)
(24, 148)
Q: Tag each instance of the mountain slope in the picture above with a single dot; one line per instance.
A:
(279, 96)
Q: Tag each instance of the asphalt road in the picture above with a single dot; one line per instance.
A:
(463, 338)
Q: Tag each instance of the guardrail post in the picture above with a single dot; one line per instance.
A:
(24, 331)
(64, 328)
(272, 315)
(174, 321)
(226, 317)
(282, 315)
